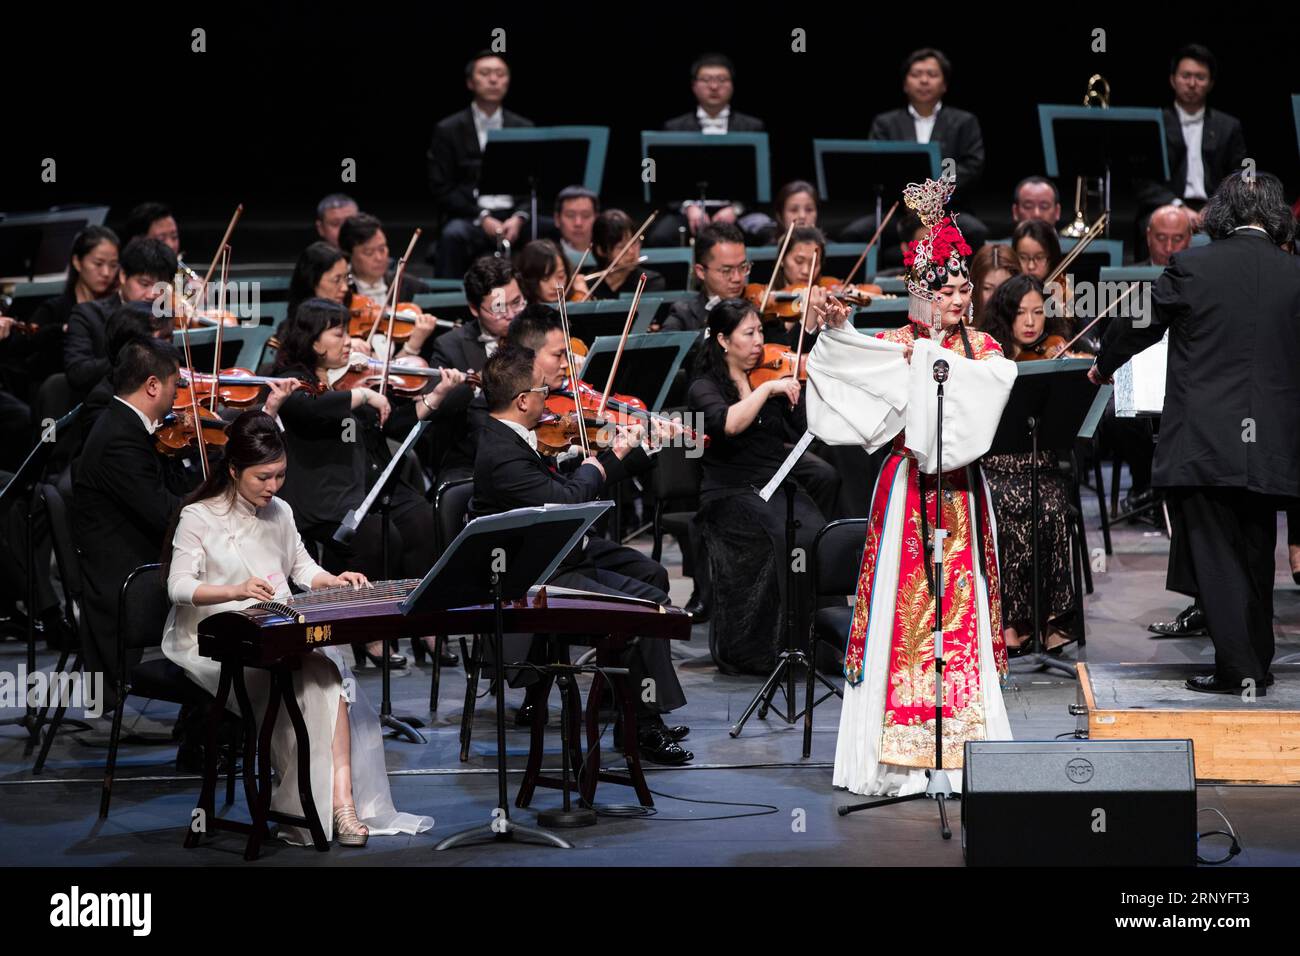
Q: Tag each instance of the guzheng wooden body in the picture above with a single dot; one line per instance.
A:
(271, 631)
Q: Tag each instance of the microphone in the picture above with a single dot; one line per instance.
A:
(940, 371)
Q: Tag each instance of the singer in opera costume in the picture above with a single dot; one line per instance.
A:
(872, 391)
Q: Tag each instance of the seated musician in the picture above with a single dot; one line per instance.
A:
(990, 267)
(145, 265)
(713, 85)
(609, 235)
(362, 240)
(153, 220)
(576, 208)
(473, 223)
(721, 266)
(545, 274)
(1035, 197)
(331, 213)
(1169, 230)
(510, 473)
(1018, 319)
(749, 429)
(336, 444)
(1037, 247)
(795, 203)
(235, 544)
(801, 266)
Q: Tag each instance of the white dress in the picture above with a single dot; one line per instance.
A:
(223, 544)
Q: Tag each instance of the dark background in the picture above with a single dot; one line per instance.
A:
(285, 92)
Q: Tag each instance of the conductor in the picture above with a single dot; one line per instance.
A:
(1229, 448)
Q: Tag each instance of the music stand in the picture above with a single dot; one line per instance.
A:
(608, 316)
(1052, 403)
(515, 163)
(1118, 144)
(495, 559)
(649, 365)
(38, 244)
(381, 494)
(22, 486)
(706, 166)
(865, 171)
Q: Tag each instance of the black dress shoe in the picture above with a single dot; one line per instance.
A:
(524, 716)
(1189, 623)
(449, 659)
(657, 747)
(677, 731)
(1214, 684)
(697, 610)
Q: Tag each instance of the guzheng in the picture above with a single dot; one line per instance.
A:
(270, 631)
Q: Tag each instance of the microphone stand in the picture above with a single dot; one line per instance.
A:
(939, 788)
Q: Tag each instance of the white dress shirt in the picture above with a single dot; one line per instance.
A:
(1193, 125)
(924, 124)
(713, 124)
(483, 122)
(149, 426)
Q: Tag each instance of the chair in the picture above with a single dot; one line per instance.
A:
(450, 505)
(54, 399)
(835, 565)
(676, 484)
(142, 610)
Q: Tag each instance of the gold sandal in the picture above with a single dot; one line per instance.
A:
(348, 830)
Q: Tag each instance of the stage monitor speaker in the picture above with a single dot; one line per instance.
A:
(1079, 803)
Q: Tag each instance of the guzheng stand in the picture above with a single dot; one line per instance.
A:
(382, 493)
(495, 559)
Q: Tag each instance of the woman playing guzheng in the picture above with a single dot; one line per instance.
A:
(864, 390)
(235, 544)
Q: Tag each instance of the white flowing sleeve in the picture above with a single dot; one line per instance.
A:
(857, 389)
(974, 396)
(304, 568)
(189, 558)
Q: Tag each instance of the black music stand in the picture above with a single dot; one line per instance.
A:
(863, 172)
(516, 165)
(649, 364)
(382, 494)
(1051, 404)
(23, 487)
(494, 559)
(715, 170)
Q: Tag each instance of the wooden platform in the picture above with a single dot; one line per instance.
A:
(1235, 740)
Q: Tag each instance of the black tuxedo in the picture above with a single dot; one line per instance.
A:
(85, 345)
(1229, 448)
(736, 123)
(1222, 150)
(460, 349)
(121, 510)
(508, 474)
(455, 159)
(956, 131)
(688, 315)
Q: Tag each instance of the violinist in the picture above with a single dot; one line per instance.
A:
(801, 266)
(721, 267)
(611, 232)
(509, 473)
(321, 272)
(545, 273)
(1037, 247)
(576, 208)
(121, 504)
(153, 220)
(990, 267)
(337, 448)
(795, 204)
(146, 266)
(749, 433)
(362, 240)
(1017, 318)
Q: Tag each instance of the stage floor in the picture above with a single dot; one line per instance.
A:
(52, 819)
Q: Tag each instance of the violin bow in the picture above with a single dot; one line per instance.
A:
(390, 300)
(627, 328)
(573, 377)
(1105, 312)
(194, 401)
(863, 258)
(1068, 260)
(775, 269)
(203, 286)
(577, 270)
(803, 321)
(221, 322)
(622, 252)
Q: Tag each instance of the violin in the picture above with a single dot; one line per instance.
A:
(31, 328)
(179, 433)
(235, 387)
(185, 316)
(558, 429)
(777, 362)
(407, 381)
(1045, 348)
(787, 303)
(365, 312)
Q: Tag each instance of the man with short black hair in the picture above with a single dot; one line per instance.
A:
(146, 266)
(331, 212)
(721, 266)
(1035, 197)
(472, 223)
(153, 220)
(576, 208)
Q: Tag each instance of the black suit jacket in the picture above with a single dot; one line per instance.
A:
(687, 315)
(736, 123)
(460, 349)
(454, 162)
(121, 510)
(956, 131)
(1223, 147)
(1232, 396)
(85, 346)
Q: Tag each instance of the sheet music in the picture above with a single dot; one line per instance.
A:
(1140, 382)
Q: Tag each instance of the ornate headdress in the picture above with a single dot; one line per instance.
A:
(937, 255)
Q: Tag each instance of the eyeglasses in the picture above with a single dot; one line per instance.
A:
(340, 280)
(544, 390)
(729, 271)
(714, 80)
(1032, 260)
